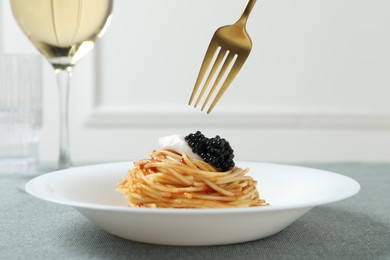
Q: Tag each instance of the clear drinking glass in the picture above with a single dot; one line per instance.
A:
(64, 31)
(20, 112)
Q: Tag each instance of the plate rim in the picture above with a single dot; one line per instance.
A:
(45, 178)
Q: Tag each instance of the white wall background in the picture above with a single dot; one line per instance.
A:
(316, 86)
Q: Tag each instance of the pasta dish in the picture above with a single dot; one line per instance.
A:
(173, 180)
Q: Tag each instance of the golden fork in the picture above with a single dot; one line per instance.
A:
(233, 42)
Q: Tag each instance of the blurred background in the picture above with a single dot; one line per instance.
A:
(315, 88)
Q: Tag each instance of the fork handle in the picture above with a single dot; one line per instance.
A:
(248, 8)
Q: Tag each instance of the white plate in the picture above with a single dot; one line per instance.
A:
(291, 191)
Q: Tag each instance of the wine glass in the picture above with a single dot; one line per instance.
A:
(64, 31)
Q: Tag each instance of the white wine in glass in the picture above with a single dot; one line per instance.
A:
(64, 31)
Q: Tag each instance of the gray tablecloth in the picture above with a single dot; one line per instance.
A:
(356, 228)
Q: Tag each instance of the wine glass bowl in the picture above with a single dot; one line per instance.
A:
(63, 31)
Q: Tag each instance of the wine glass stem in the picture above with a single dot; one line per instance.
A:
(63, 80)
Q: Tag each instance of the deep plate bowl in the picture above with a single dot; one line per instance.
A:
(291, 191)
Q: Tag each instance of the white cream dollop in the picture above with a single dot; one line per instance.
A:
(177, 143)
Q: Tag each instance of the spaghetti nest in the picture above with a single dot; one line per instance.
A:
(171, 180)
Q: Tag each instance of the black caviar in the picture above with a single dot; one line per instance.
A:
(216, 151)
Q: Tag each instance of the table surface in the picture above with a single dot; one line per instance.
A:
(356, 228)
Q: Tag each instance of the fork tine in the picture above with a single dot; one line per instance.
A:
(217, 62)
(232, 74)
(228, 60)
(205, 64)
